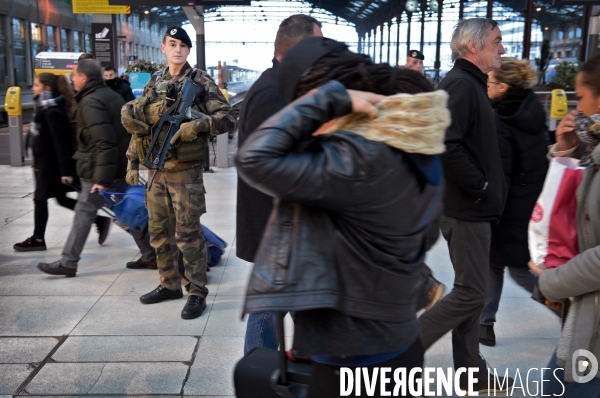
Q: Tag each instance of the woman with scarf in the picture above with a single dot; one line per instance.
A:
(358, 186)
(521, 127)
(574, 370)
(52, 148)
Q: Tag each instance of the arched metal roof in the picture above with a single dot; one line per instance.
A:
(366, 14)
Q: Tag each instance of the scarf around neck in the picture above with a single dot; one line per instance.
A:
(413, 123)
(588, 131)
(45, 100)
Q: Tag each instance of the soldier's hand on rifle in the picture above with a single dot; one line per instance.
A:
(187, 133)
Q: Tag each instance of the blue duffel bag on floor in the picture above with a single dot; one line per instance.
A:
(215, 246)
(128, 206)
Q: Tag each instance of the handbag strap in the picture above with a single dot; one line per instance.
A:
(102, 192)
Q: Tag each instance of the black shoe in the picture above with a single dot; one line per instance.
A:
(487, 336)
(30, 244)
(495, 386)
(56, 268)
(159, 294)
(139, 264)
(194, 307)
(103, 225)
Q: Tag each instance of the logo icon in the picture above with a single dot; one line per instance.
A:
(102, 34)
(584, 370)
(173, 31)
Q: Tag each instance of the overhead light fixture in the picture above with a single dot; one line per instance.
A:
(546, 28)
(538, 9)
(146, 12)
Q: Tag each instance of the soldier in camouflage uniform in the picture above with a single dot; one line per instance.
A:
(176, 200)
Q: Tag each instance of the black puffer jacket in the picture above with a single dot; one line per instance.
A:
(122, 87)
(472, 158)
(521, 127)
(349, 228)
(102, 140)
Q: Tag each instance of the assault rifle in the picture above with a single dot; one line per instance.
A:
(179, 112)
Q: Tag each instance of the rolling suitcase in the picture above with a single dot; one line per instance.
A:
(265, 373)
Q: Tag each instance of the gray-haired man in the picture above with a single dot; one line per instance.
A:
(101, 145)
(474, 197)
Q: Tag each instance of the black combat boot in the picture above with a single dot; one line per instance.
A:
(159, 294)
(194, 307)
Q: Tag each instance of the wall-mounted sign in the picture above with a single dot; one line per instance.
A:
(98, 7)
(138, 80)
(103, 43)
(58, 63)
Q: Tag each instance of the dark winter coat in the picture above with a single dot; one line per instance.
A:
(102, 141)
(52, 151)
(521, 127)
(254, 207)
(475, 185)
(122, 87)
(337, 238)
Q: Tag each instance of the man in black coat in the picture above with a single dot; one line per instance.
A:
(122, 87)
(101, 162)
(474, 196)
(253, 206)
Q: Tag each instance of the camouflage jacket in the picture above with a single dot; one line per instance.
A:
(138, 116)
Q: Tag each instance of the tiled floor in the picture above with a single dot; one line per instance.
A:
(90, 336)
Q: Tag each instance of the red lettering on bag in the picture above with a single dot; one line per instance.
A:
(538, 213)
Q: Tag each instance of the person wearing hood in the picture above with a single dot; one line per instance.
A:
(338, 249)
(521, 128)
(122, 87)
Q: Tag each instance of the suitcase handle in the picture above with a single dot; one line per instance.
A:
(282, 360)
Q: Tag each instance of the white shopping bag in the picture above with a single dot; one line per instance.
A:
(552, 229)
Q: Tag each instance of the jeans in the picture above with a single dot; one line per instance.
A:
(523, 276)
(469, 246)
(552, 387)
(261, 331)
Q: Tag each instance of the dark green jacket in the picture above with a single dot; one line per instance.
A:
(101, 138)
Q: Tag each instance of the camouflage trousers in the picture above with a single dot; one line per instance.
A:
(175, 203)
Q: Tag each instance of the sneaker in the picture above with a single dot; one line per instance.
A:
(102, 225)
(139, 264)
(56, 268)
(487, 336)
(435, 293)
(494, 387)
(194, 307)
(30, 245)
(159, 294)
